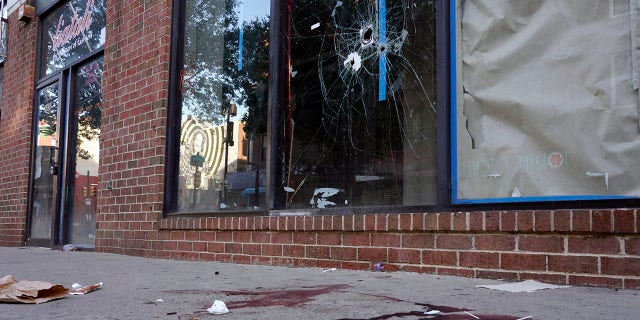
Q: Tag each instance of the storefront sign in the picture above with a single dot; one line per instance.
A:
(65, 34)
(72, 31)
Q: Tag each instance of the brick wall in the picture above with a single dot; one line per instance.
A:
(132, 149)
(15, 129)
(576, 247)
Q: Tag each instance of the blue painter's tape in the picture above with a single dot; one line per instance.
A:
(453, 101)
(382, 41)
(544, 199)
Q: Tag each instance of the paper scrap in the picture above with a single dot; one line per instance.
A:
(524, 286)
(79, 289)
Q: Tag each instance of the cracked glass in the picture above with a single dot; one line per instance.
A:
(359, 125)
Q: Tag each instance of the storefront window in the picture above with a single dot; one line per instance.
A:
(359, 126)
(72, 31)
(546, 100)
(223, 71)
(3, 30)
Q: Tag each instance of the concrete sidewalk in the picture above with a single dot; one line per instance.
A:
(132, 286)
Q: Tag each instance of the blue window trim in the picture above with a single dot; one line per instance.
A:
(454, 138)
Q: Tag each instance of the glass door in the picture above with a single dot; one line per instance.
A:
(84, 154)
(44, 204)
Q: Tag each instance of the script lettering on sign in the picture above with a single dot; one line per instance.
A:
(78, 25)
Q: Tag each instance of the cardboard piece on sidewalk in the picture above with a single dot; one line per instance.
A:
(25, 291)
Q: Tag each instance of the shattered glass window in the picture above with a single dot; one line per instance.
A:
(224, 68)
(360, 121)
(547, 100)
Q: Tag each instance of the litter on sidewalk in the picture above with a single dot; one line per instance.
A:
(80, 289)
(524, 286)
(218, 307)
(26, 291)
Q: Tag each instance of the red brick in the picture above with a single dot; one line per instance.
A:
(318, 252)
(385, 240)
(404, 255)
(185, 245)
(241, 236)
(476, 221)
(632, 245)
(355, 239)
(624, 221)
(495, 242)
(336, 223)
(199, 246)
(562, 221)
(492, 221)
(348, 224)
(456, 272)
(252, 249)
(358, 222)
(620, 266)
(418, 240)
(267, 261)
(601, 221)
(444, 221)
(354, 265)
(501, 275)
(573, 264)
(431, 222)
(633, 284)
(594, 245)
(542, 221)
(525, 221)
(580, 221)
(369, 222)
(508, 221)
(241, 259)
(232, 248)
(445, 241)
(297, 251)
(541, 243)
(344, 253)
(417, 221)
(439, 257)
(304, 237)
(372, 254)
(595, 281)
(460, 221)
(272, 249)
(516, 261)
(327, 238)
(224, 236)
(544, 277)
(474, 259)
(215, 247)
(260, 237)
(405, 222)
(328, 264)
(418, 269)
(381, 222)
(281, 237)
(393, 222)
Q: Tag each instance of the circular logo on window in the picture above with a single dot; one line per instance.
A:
(555, 159)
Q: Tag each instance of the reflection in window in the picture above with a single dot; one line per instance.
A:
(72, 31)
(360, 125)
(547, 100)
(3, 30)
(223, 90)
